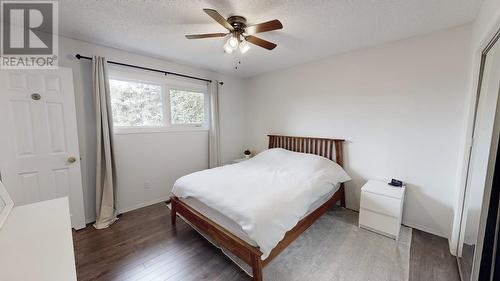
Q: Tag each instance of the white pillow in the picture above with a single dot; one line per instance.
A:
(302, 163)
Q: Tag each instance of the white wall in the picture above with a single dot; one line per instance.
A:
(158, 158)
(400, 107)
(486, 23)
(147, 165)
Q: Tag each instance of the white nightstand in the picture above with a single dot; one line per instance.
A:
(381, 208)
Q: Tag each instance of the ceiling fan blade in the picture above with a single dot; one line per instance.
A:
(218, 18)
(260, 42)
(209, 35)
(264, 27)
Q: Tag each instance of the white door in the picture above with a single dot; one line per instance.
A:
(39, 155)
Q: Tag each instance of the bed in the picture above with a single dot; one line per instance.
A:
(256, 208)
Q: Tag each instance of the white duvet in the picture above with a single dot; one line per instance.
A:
(266, 195)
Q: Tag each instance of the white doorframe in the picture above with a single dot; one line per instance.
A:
(478, 48)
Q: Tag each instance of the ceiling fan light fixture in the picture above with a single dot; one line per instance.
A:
(227, 48)
(239, 35)
(233, 42)
(244, 47)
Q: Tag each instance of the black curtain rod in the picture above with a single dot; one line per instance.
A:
(78, 56)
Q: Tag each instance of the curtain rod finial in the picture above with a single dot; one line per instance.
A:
(78, 56)
(221, 83)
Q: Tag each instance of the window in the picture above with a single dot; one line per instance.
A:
(147, 103)
(136, 104)
(187, 107)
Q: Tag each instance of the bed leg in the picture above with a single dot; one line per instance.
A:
(342, 199)
(173, 213)
(257, 268)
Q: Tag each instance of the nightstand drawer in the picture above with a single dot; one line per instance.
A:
(381, 204)
(379, 223)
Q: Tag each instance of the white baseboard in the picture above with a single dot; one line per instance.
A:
(426, 229)
(134, 207)
(125, 209)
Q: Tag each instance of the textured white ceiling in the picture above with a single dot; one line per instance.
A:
(312, 29)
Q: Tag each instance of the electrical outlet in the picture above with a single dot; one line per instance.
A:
(147, 185)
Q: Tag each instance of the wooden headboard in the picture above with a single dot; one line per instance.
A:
(329, 148)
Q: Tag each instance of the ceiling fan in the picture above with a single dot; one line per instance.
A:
(239, 32)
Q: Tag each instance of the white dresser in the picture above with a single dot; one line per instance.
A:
(36, 243)
(381, 208)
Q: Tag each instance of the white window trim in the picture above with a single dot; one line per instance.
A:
(166, 84)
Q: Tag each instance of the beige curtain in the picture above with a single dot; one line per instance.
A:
(214, 156)
(105, 181)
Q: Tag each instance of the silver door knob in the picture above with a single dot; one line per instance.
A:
(71, 159)
(36, 96)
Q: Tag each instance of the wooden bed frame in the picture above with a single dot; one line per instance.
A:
(329, 148)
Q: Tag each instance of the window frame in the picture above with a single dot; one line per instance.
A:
(166, 83)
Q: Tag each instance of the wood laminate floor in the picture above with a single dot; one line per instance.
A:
(142, 245)
(430, 258)
(465, 262)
